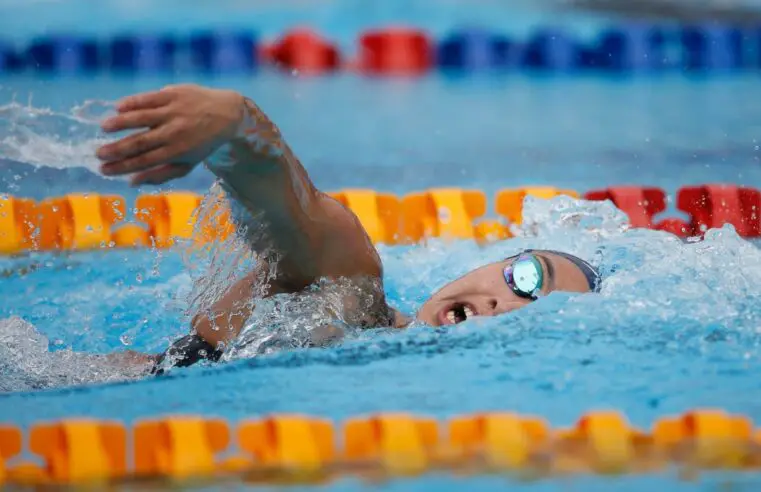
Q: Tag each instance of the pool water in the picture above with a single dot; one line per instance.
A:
(675, 327)
(485, 132)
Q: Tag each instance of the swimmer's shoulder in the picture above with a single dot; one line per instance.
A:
(358, 301)
(347, 250)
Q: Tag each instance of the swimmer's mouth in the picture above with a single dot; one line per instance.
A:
(456, 313)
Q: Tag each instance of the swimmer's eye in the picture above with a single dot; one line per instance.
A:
(525, 276)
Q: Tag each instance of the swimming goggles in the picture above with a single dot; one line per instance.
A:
(525, 276)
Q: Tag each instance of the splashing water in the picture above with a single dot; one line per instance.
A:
(689, 291)
(41, 136)
(26, 363)
(215, 265)
(653, 283)
(652, 280)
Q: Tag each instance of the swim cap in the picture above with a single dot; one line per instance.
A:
(593, 276)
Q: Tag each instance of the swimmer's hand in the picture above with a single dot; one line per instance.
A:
(179, 126)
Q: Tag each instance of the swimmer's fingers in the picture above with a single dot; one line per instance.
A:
(146, 100)
(134, 145)
(144, 118)
(161, 174)
(142, 162)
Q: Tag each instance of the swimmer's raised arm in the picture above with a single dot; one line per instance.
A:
(313, 235)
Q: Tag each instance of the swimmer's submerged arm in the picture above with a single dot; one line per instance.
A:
(224, 320)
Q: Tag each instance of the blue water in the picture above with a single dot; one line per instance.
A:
(341, 20)
(400, 135)
(676, 326)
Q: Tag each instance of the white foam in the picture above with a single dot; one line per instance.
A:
(27, 364)
(43, 137)
(646, 273)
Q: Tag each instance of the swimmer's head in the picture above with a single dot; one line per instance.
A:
(507, 285)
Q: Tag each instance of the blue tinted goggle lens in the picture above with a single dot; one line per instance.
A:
(525, 276)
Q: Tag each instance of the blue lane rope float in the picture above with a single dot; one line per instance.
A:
(635, 48)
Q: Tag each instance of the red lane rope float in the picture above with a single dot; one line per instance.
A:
(708, 206)
(715, 205)
(639, 204)
(305, 51)
(395, 51)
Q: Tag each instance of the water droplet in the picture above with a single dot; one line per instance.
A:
(444, 215)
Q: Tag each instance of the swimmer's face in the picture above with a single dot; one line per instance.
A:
(485, 292)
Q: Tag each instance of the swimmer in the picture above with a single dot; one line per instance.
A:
(311, 236)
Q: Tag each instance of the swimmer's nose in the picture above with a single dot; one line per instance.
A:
(490, 307)
(494, 306)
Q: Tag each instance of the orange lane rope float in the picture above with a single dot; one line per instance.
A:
(93, 221)
(300, 448)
